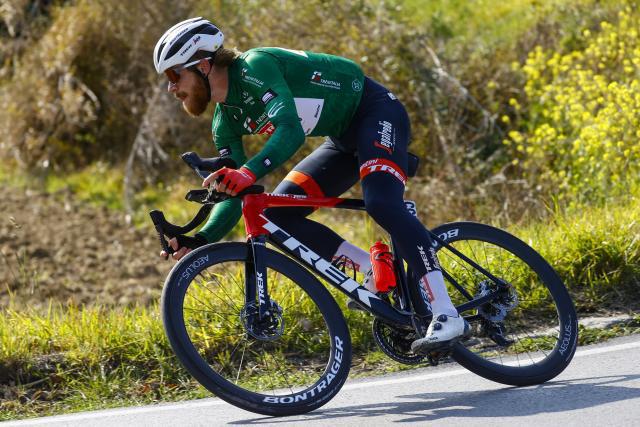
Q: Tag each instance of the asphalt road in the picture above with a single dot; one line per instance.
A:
(600, 387)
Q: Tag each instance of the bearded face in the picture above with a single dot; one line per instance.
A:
(192, 91)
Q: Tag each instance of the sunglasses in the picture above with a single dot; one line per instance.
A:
(173, 74)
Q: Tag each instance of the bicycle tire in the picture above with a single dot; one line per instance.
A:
(563, 336)
(207, 263)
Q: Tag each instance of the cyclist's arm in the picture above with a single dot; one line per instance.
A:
(226, 214)
(281, 109)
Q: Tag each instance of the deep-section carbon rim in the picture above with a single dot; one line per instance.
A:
(303, 356)
(527, 336)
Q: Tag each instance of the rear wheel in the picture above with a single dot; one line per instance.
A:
(528, 334)
(293, 362)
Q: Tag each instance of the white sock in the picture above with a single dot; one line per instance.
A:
(359, 257)
(434, 286)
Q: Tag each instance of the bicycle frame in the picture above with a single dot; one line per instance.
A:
(259, 228)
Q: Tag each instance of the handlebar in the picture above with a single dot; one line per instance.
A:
(210, 165)
(206, 197)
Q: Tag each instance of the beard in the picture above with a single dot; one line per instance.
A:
(196, 102)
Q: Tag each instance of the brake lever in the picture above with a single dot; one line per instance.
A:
(157, 217)
(200, 173)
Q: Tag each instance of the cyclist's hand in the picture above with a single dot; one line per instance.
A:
(182, 245)
(233, 180)
(178, 251)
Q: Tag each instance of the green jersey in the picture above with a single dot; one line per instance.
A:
(286, 94)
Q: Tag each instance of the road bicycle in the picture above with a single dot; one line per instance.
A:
(255, 326)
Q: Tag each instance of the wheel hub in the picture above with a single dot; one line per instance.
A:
(269, 328)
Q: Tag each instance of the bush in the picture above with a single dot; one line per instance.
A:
(77, 89)
(580, 119)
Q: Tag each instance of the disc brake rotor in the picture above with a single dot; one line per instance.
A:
(270, 328)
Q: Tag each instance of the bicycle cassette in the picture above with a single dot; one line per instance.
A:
(498, 308)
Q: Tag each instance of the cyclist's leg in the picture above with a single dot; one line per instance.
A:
(327, 172)
(382, 141)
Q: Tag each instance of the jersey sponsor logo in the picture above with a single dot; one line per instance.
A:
(387, 139)
(262, 125)
(382, 165)
(247, 99)
(356, 85)
(309, 111)
(250, 125)
(224, 151)
(392, 96)
(268, 96)
(316, 79)
(267, 129)
(250, 79)
(275, 109)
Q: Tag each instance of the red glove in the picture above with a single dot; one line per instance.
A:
(233, 181)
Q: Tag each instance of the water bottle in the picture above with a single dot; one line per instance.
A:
(382, 266)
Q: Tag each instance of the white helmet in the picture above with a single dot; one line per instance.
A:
(183, 40)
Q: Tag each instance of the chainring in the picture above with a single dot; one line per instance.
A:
(396, 343)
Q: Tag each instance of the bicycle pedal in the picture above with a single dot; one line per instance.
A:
(434, 357)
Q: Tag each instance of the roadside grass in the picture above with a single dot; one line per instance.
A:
(73, 359)
(596, 251)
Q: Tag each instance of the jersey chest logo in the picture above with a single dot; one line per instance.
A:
(260, 126)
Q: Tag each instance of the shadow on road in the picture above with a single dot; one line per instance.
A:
(553, 396)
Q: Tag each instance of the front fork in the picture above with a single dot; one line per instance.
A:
(256, 289)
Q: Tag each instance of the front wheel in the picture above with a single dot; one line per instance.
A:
(529, 333)
(294, 362)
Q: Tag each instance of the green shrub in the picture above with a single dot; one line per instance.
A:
(579, 122)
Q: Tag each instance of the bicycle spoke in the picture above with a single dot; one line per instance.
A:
(535, 305)
(215, 302)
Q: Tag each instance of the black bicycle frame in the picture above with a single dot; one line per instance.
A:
(257, 279)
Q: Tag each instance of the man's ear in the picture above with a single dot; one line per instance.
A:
(204, 66)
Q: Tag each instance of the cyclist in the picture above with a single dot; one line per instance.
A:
(289, 94)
